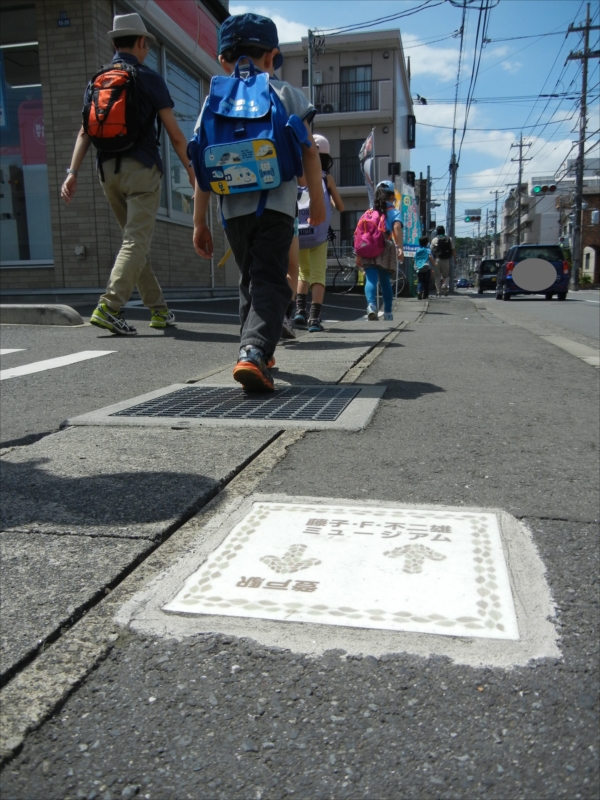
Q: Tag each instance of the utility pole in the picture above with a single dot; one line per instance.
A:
(487, 232)
(311, 90)
(495, 192)
(428, 203)
(583, 56)
(520, 159)
(452, 211)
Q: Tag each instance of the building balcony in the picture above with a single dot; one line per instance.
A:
(359, 101)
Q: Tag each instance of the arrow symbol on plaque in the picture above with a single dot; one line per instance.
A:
(414, 556)
(291, 561)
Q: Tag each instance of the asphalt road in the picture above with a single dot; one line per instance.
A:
(205, 338)
(218, 717)
(579, 313)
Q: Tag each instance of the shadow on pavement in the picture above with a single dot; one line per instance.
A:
(407, 390)
(116, 499)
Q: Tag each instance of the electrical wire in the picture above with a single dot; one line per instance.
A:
(514, 128)
(482, 23)
(529, 36)
(370, 23)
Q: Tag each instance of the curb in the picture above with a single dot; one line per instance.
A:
(39, 315)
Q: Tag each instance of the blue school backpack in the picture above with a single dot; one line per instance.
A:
(312, 235)
(247, 142)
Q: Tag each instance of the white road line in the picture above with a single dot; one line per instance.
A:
(139, 304)
(52, 363)
(592, 301)
(341, 308)
(210, 313)
(11, 350)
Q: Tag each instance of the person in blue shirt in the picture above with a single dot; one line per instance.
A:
(375, 271)
(424, 264)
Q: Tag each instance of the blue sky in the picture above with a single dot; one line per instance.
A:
(515, 70)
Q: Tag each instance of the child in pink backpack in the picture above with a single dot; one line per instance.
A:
(374, 273)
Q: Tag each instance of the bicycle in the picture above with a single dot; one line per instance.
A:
(347, 277)
(399, 282)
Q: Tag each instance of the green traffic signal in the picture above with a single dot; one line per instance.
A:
(467, 219)
(537, 189)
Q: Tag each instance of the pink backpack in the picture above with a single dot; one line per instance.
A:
(370, 234)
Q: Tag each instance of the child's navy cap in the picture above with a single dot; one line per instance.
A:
(252, 29)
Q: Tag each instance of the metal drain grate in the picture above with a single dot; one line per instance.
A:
(316, 403)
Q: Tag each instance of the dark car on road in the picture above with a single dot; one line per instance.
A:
(506, 286)
(462, 283)
(488, 274)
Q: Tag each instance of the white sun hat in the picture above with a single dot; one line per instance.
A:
(322, 143)
(129, 25)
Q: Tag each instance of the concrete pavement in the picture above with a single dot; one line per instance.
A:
(477, 413)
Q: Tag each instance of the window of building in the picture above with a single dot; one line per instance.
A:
(25, 226)
(304, 77)
(356, 88)
(188, 91)
(350, 173)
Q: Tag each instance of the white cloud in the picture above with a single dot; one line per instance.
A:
(288, 30)
(511, 66)
(430, 59)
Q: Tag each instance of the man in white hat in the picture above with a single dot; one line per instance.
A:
(131, 182)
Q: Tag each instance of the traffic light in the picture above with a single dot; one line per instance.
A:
(543, 188)
(472, 219)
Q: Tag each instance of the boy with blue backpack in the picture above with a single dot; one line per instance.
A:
(252, 141)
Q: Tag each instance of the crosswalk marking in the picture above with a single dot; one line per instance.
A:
(6, 351)
(52, 363)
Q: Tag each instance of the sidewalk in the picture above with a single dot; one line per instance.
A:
(477, 413)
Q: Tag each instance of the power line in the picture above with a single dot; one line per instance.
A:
(370, 23)
(514, 128)
(529, 36)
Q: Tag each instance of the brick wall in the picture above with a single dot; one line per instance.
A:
(69, 56)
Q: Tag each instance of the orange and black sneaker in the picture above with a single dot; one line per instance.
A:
(252, 370)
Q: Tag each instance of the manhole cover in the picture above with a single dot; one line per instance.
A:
(214, 402)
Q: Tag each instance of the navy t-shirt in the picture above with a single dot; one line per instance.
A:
(154, 96)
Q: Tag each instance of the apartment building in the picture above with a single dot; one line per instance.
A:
(360, 84)
(546, 205)
(48, 51)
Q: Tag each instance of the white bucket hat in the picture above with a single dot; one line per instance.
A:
(321, 142)
(129, 25)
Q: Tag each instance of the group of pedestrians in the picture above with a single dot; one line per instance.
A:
(268, 224)
(434, 262)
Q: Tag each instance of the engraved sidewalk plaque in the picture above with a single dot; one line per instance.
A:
(358, 566)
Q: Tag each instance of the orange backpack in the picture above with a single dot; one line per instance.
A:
(111, 110)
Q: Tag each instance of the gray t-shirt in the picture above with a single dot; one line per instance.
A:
(284, 197)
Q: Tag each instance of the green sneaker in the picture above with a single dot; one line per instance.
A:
(104, 317)
(161, 318)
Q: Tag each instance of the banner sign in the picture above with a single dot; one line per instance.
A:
(410, 220)
(367, 166)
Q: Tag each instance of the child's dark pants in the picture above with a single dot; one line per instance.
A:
(423, 278)
(261, 247)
